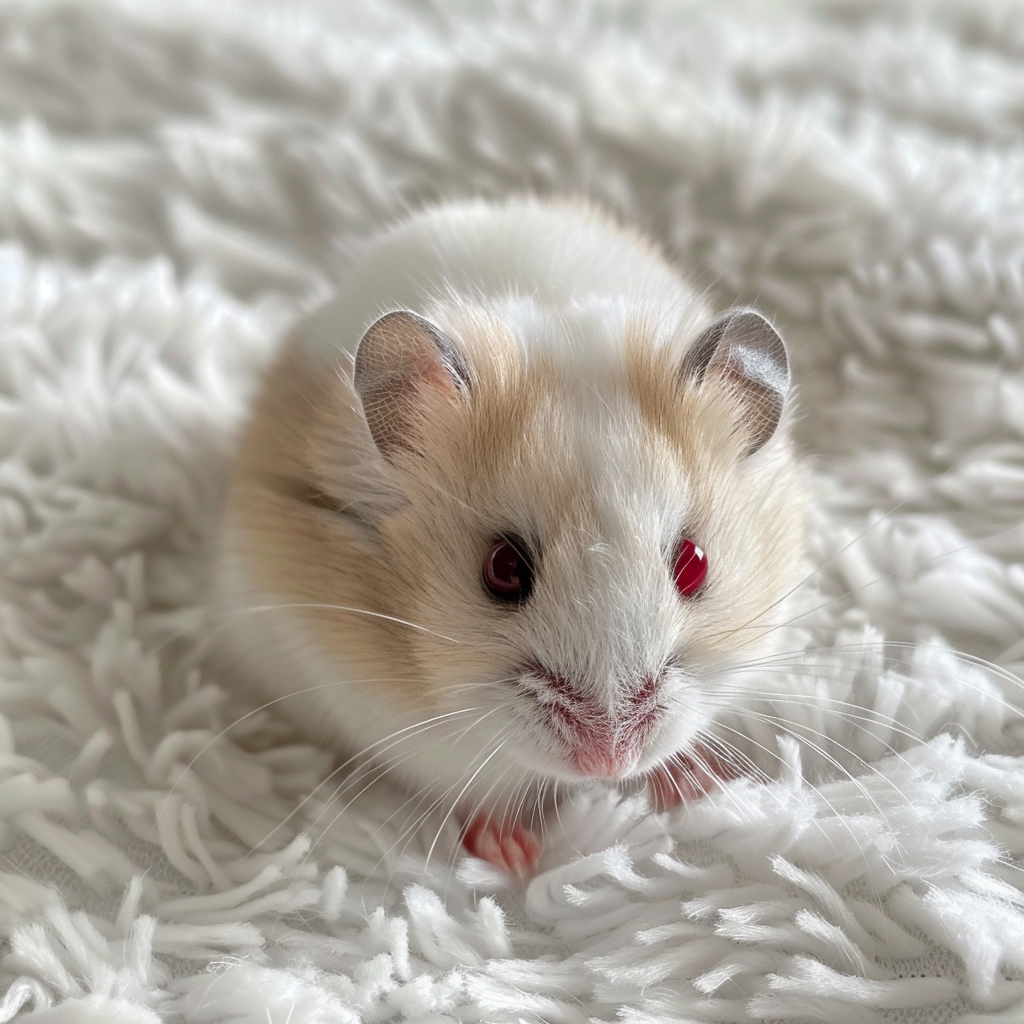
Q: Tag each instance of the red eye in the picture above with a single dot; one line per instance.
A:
(690, 569)
(507, 571)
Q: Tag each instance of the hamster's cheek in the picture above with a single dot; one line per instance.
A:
(687, 713)
(460, 668)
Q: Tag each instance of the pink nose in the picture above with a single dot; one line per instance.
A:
(601, 744)
(596, 755)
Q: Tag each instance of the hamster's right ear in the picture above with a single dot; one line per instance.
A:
(404, 366)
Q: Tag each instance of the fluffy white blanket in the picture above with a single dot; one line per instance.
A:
(178, 182)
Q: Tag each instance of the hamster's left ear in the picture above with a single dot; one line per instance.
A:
(743, 350)
(405, 367)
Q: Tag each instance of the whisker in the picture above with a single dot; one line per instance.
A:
(349, 609)
(871, 717)
(440, 801)
(822, 654)
(821, 796)
(263, 707)
(368, 754)
(380, 769)
(804, 614)
(810, 576)
(462, 793)
(800, 737)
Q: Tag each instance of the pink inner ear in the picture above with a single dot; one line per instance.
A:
(433, 377)
(402, 371)
(429, 391)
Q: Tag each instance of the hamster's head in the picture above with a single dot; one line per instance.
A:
(568, 539)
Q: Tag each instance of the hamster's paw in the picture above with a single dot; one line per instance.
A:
(688, 777)
(506, 845)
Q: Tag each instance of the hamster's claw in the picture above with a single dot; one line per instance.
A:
(507, 846)
(688, 777)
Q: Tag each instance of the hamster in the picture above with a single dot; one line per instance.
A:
(512, 496)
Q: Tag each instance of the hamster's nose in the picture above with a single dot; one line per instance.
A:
(642, 701)
(601, 741)
(608, 746)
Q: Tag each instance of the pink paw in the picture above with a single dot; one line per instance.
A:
(689, 777)
(506, 845)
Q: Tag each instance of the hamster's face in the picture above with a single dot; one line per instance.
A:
(580, 548)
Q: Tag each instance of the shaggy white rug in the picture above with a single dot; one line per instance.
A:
(178, 182)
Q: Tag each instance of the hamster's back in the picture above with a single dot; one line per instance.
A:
(559, 256)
